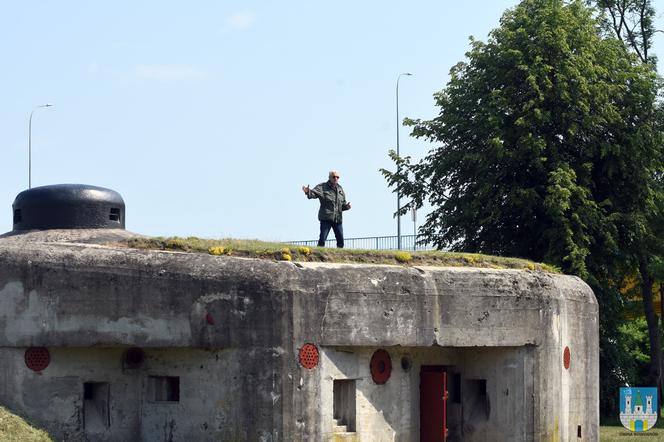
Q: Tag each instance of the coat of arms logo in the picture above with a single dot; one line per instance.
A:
(638, 408)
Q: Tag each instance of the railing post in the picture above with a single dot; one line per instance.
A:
(381, 242)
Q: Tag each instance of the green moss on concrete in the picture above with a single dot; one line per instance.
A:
(289, 252)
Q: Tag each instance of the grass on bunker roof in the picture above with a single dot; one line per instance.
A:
(289, 252)
(15, 429)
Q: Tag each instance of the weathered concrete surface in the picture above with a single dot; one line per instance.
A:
(81, 236)
(239, 323)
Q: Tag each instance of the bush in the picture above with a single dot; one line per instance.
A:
(403, 257)
(306, 251)
(218, 250)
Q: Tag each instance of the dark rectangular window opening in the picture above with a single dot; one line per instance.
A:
(17, 216)
(481, 383)
(96, 410)
(164, 388)
(455, 388)
(115, 215)
(88, 393)
(344, 405)
(578, 431)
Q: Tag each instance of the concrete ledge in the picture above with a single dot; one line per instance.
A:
(82, 295)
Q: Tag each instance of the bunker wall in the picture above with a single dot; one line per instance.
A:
(509, 328)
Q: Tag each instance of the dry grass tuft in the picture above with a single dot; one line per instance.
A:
(15, 429)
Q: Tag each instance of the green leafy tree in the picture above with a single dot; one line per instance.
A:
(629, 348)
(547, 147)
(634, 342)
(632, 22)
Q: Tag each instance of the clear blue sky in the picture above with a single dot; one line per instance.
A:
(208, 117)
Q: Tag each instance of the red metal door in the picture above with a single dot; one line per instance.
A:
(433, 404)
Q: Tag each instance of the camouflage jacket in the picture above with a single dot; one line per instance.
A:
(332, 201)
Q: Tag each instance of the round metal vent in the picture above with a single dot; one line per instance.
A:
(380, 366)
(133, 357)
(37, 358)
(309, 356)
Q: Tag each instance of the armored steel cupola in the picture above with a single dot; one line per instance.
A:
(68, 206)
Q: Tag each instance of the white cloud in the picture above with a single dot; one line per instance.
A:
(169, 72)
(240, 20)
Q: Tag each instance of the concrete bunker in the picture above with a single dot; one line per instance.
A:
(101, 342)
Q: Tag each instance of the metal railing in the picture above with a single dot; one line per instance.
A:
(370, 242)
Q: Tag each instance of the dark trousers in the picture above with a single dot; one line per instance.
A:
(325, 227)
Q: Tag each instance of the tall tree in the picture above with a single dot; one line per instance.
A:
(547, 145)
(632, 22)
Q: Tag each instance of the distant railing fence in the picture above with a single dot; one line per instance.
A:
(408, 242)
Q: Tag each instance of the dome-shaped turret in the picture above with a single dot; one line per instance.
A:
(68, 206)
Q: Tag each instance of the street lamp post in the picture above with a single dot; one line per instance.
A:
(398, 193)
(30, 143)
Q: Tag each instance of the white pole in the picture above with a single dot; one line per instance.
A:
(30, 143)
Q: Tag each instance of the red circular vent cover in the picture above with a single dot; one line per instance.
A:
(566, 358)
(381, 366)
(309, 356)
(37, 358)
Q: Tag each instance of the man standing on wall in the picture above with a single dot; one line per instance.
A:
(332, 204)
